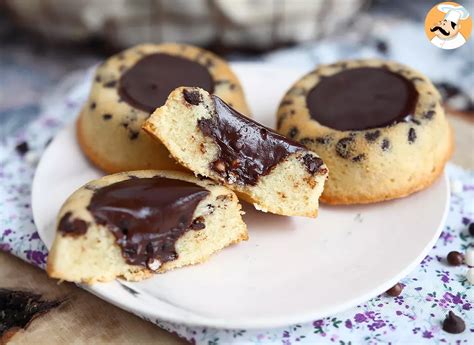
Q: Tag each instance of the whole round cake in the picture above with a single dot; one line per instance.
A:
(379, 126)
(129, 86)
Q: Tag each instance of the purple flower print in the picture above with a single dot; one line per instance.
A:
(36, 257)
(34, 236)
(348, 324)
(360, 318)
(427, 335)
(5, 247)
(318, 323)
(7, 232)
(446, 237)
(454, 299)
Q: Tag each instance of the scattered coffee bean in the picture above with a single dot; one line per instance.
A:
(453, 324)
(455, 258)
(469, 258)
(395, 291)
(471, 229)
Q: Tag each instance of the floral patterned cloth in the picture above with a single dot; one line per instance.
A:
(430, 291)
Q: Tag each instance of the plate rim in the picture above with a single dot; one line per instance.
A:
(256, 323)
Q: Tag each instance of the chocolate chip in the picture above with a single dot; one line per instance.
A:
(358, 158)
(192, 97)
(133, 135)
(280, 120)
(286, 102)
(411, 135)
(222, 81)
(209, 63)
(372, 136)
(416, 122)
(22, 148)
(312, 163)
(323, 140)
(93, 105)
(385, 145)
(293, 132)
(344, 147)
(395, 290)
(125, 125)
(107, 117)
(453, 324)
(232, 86)
(198, 224)
(98, 79)
(429, 114)
(381, 46)
(72, 227)
(455, 258)
(306, 141)
(471, 229)
(111, 83)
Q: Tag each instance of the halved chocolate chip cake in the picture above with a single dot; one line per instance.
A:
(134, 224)
(212, 139)
(129, 86)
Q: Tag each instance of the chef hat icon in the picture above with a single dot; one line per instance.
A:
(453, 13)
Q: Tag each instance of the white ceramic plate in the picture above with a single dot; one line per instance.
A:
(291, 270)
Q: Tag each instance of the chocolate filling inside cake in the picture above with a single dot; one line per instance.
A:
(247, 150)
(146, 215)
(362, 98)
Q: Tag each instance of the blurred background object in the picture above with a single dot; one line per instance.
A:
(240, 24)
(42, 40)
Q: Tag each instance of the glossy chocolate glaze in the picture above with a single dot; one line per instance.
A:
(362, 98)
(147, 216)
(247, 150)
(147, 84)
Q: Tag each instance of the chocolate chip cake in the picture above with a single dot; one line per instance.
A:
(129, 86)
(134, 224)
(379, 126)
(212, 139)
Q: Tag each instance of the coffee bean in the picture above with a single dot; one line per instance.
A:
(471, 229)
(453, 324)
(395, 291)
(455, 258)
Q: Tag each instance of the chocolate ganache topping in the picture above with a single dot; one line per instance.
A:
(362, 98)
(147, 84)
(147, 216)
(247, 149)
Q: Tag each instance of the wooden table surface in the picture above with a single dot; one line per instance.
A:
(86, 319)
